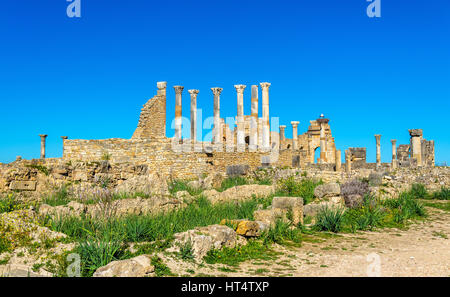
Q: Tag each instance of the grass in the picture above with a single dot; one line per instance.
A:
(231, 182)
(58, 197)
(101, 239)
(303, 188)
(40, 168)
(329, 219)
(182, 185)
(257, 249)
(441, 206)
(10, 203)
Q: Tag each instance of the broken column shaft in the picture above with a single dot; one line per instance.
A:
(43, 138)
(295, 135)
(217, 129)
(240, 117)
(265, 116)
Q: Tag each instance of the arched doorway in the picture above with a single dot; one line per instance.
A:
(316, 155)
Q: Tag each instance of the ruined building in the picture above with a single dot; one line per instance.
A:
(251, 143)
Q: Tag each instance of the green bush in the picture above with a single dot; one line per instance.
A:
(96, 253)
(280, 233)
(9, 203)
(364, 218)
(404, 207)
(329, 219)
(442, 194)
(418, 191)
(303, 188)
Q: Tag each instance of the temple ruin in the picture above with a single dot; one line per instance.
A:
(250, 143)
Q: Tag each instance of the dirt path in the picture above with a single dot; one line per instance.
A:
(422, 250)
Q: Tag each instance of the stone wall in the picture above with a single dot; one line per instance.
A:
(152, 122)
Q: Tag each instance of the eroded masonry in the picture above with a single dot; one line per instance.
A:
(251, 143)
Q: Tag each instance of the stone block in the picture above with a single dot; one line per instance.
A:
(22, 185)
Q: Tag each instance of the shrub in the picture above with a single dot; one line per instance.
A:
(96, 253)
(9, 203)
(329, 219)
(418, 191)
(186, 251)
(352, 192)
(442, 194)
(365, 218)
(281, 232)
(405, 207)
(304, 188)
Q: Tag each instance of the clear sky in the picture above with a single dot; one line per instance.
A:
(88, 77)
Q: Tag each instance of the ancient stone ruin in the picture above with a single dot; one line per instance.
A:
(251, 143)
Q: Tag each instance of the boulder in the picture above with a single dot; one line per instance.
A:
(246, 228)
(293, 204)
(151, 184)
(204, 239)
(237, 170)
(251, 228)
(270, 216)
(311, 210)
(375, 179)
(327, 190)
(239, 193)
(353, 201)
(136, 267)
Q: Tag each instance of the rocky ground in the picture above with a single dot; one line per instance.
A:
(420, 249)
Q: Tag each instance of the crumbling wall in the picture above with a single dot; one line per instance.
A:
(152, 121)
(358, 156)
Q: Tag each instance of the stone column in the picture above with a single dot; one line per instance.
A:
(240, 118)
(377, 139)
(43, 138)
(217, 129)
(282, 133)
(348, 161)
(295, 135)
(416, 145)
(194, 94)
(265, 116)
(178, 120)
(394, 153)
(254, 120)
(338, 160)
(322, 121)
(162, 86)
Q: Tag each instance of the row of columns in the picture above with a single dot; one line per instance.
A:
(43, 143)
(217, 131)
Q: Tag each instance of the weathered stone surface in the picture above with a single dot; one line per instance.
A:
(20, 270)
(375, 179)
(151, 184)
(251, 228)
(237, 170)
(203, 239)
(239, 193)
(22, 185)
(327, 190)
(292, 204)
(136, 206)
(136, 267)
(270, 216)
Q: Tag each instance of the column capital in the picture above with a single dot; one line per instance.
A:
(282, 126)
(43, 135)
(193, 92)
(377, 137)
(265, 85)
(295, 123)
(64, 137)
(161, 85)
(394, 141)
(216, 90)
(178, 89)
(415, 132)
(240, 88)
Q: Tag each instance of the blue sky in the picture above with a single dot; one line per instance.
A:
(88, 77)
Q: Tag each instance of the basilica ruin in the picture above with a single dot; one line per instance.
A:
(251, 143)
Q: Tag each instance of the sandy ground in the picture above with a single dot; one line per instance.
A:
(423, 249)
